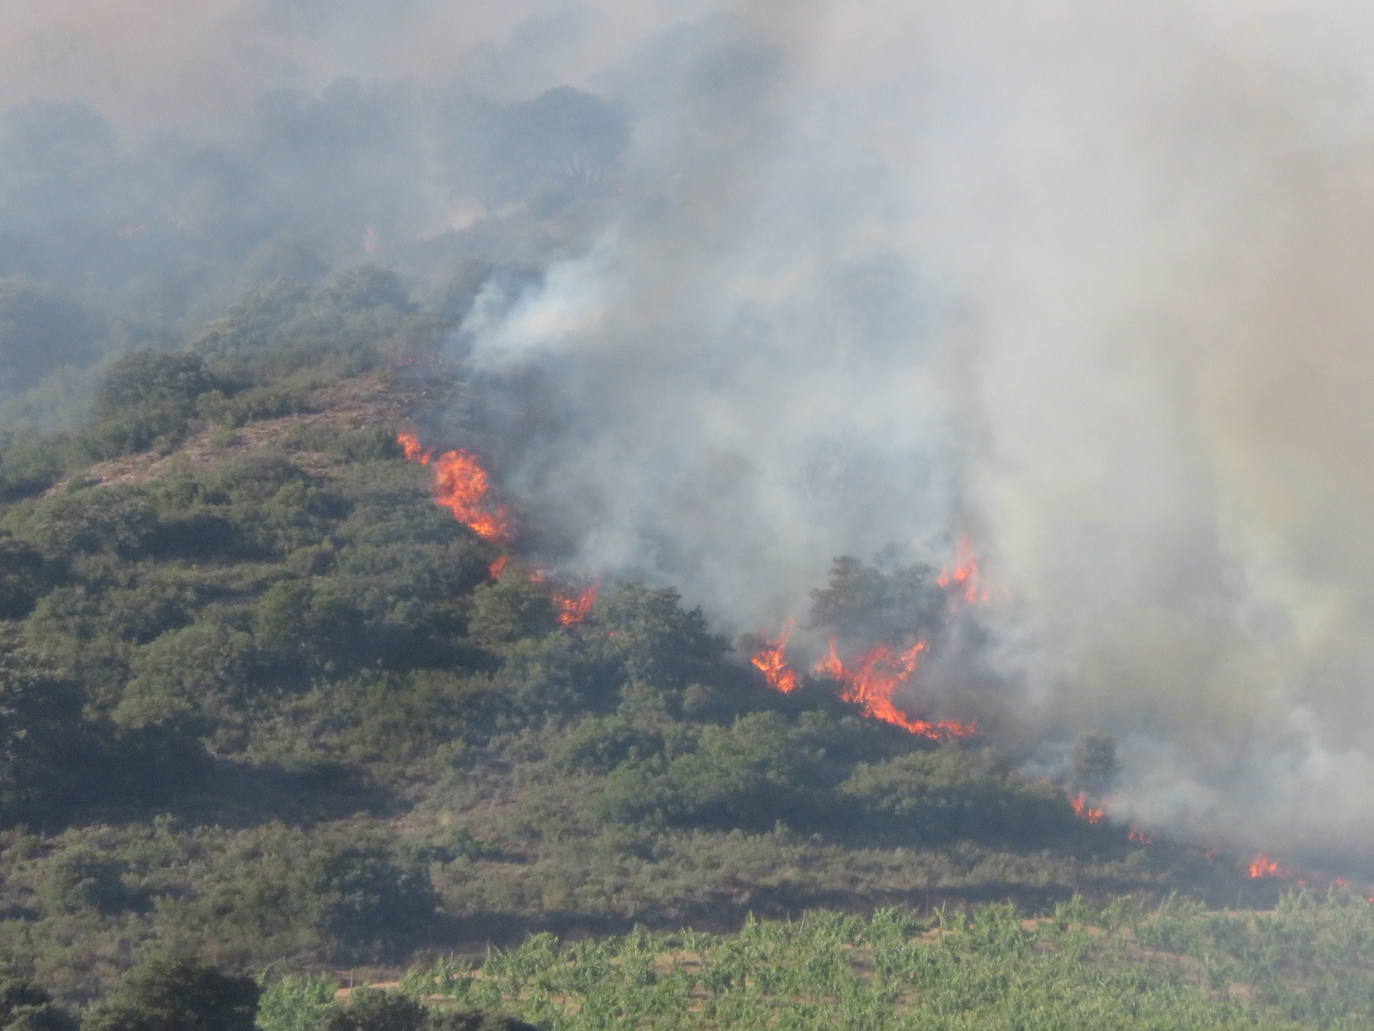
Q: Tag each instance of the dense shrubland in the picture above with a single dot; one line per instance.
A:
(262, 702)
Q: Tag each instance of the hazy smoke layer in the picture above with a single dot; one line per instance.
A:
(1083, 281)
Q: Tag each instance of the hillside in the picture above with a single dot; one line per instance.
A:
(267, 702)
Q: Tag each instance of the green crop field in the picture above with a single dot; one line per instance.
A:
(1309, 963)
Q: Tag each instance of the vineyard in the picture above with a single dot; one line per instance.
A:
(1307, 963)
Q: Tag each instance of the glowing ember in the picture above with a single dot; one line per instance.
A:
(573, 609)
(771, 662)
(1081, 808)
(873, 680)
(1263, 866)
(1138, 836)
(963, 575)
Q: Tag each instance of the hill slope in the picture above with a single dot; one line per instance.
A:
(266, 701)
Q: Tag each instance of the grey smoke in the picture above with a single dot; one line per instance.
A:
(1087, 283)
(1084, 281)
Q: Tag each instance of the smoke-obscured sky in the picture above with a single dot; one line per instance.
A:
(1083, 281)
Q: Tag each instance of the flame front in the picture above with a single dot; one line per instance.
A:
(772, 663)
(573, 608)
(962, 577)
(1263, 866)
(412, 449)
(461, 486)
(875, 678)
(1084, 811)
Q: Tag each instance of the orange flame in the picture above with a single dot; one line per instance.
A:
(461, 485)
(498, 567)
(871, 683)
(1263, 866)
(772, 663)
(1093, 814)
(411, 448)
(573, 609)
(1138, 836)
(963, 575)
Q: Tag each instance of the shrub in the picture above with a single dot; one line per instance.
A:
(373, 1010)
(79, 879)
(26, 1007)
(188, 675)
(176, 994)
(365, 903)
(144, 396)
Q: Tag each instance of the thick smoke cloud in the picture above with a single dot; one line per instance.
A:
(1081, 281)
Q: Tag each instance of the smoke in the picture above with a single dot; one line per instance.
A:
(1084, 282)
(1081, 281)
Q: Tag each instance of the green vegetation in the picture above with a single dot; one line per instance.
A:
(263, 705)
(1305, 965)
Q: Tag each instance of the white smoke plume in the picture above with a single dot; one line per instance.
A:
(1083, 281)
(1086, 282)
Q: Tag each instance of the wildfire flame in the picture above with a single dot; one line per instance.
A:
(963, 575)
(1138, 836)
(412, 449)
(1084, 811)
(772, 663)
(873, 680)
(1263, 866)
(573, 608)
(461, 486)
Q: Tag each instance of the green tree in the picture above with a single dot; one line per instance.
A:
(26, 1007)
(655, 640)
(1093, 766)
(474, 1020)
(24, 576)
(80, 878)
(151, 378)
(307, 622)
(176, 993)
(871, 603)
(47, 755)
(364, 902)
(372, 1010)
(509, 610)
(144, 396)
(186, 677)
